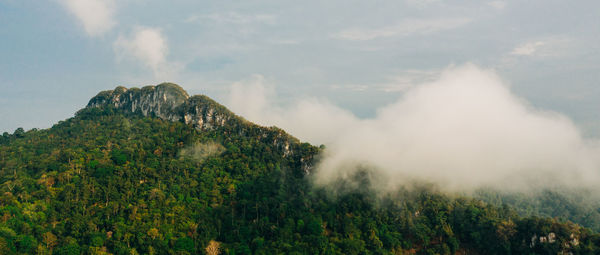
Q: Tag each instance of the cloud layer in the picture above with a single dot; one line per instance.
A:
(462, 131)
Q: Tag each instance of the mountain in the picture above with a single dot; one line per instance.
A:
(156, 171)
(170, 102)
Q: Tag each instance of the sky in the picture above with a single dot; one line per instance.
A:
(359, 56)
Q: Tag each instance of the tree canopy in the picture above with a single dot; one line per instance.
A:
(106, 182)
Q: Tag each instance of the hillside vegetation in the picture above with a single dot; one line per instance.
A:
(109, 181)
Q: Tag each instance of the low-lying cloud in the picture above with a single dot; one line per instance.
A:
(463, 131)
(201, 151)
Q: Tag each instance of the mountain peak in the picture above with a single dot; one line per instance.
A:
(165, 92)
(167, 101)
(171, 88)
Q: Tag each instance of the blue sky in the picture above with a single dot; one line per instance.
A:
(357, 55)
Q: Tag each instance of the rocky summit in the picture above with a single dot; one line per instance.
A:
(167, 101)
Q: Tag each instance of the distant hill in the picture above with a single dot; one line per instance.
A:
(156, 171)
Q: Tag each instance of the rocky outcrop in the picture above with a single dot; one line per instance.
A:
(204, 113)
(166, 101)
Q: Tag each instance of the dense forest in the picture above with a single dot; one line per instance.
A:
(112, 182)
(580, 205)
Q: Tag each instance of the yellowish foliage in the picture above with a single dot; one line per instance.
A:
(213, 248)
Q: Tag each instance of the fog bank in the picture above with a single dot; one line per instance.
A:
(463, 131)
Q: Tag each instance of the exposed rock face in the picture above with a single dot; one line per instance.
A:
(160, 100)
(170, 102)
(204, 113)
(167, 101)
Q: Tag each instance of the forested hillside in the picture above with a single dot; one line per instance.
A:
(581, 205)
(190, 177)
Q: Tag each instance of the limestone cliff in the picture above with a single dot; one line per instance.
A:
(167, 101)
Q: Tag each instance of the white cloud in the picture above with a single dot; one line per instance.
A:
(96, 16)
(399, 82)
(255, 89)
(281, 41)
(254, 99)
(351, 87)
(408, 78)
(499, 5)
(421, 3)
(527, 49)
(553, 46)
(404, 28)
(235, 18)
(146, 45)
(464, 130)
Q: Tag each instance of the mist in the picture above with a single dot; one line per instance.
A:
(201, 151)
(463, 131)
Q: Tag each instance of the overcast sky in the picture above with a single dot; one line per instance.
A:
(359, 55)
